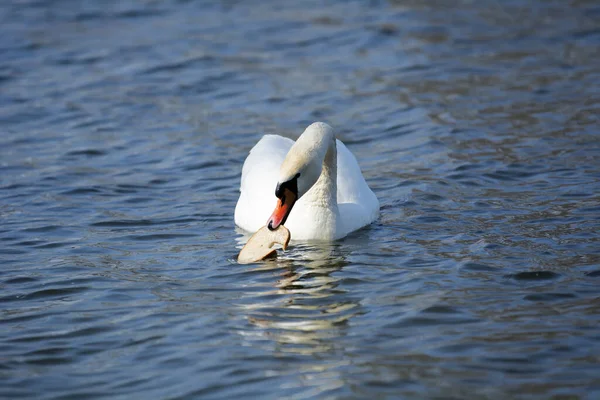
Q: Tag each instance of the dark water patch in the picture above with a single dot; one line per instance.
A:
(86, 153)
(584, 34)
(85, 332)
(430, 197)
(230, 94)
(295, 43)
(131, 187)
(458, 348)
(202, 165)
(468, 167)
(54, 293)
(54, 245)
(507, 175)
(139, 200)
(149, 339)
(49, 361)
(419, 262)
(543, 297)
(51, 351)
(24, 117)
(464, 179)
(12, 251)
(396, 205)
(176, 66)
(578, 195)
(20, 279)
(17, 319)
(42, 229)
(440, 309)
(440, 320)
(126, 191)
(82, 191)
(534, 276)
(429, 219)
(140, 13)
(352, 281)
(95, 124)
(125, 14)
(5, 77)
(30, 242)
(387, 29)
(513, 365)
(80, 333)
(13, 186)
(158, 181)
(80, 59)
(474, 266)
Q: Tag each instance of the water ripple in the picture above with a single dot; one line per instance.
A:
(125, 125)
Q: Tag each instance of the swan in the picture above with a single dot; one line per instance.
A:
(320, 192)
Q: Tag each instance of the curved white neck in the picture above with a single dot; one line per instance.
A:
(323, 194)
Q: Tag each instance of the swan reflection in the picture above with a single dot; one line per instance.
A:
(305, 312)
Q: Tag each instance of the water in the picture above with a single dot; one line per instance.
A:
(124, 127)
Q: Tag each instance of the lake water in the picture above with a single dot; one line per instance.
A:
(123, 129)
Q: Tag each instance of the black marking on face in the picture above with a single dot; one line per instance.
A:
(291, 185)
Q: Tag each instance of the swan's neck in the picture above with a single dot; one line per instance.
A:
(328, 178)
(322, 196)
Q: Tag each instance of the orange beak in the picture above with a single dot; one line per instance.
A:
(282, 210)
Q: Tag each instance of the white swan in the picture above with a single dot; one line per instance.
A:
(314, 185)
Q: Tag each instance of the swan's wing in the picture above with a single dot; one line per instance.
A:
(260, 174)
(357, 203)
(351, 185)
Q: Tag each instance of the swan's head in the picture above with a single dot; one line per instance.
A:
(301, 169)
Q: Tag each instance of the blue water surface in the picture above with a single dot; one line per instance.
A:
(123, 129)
